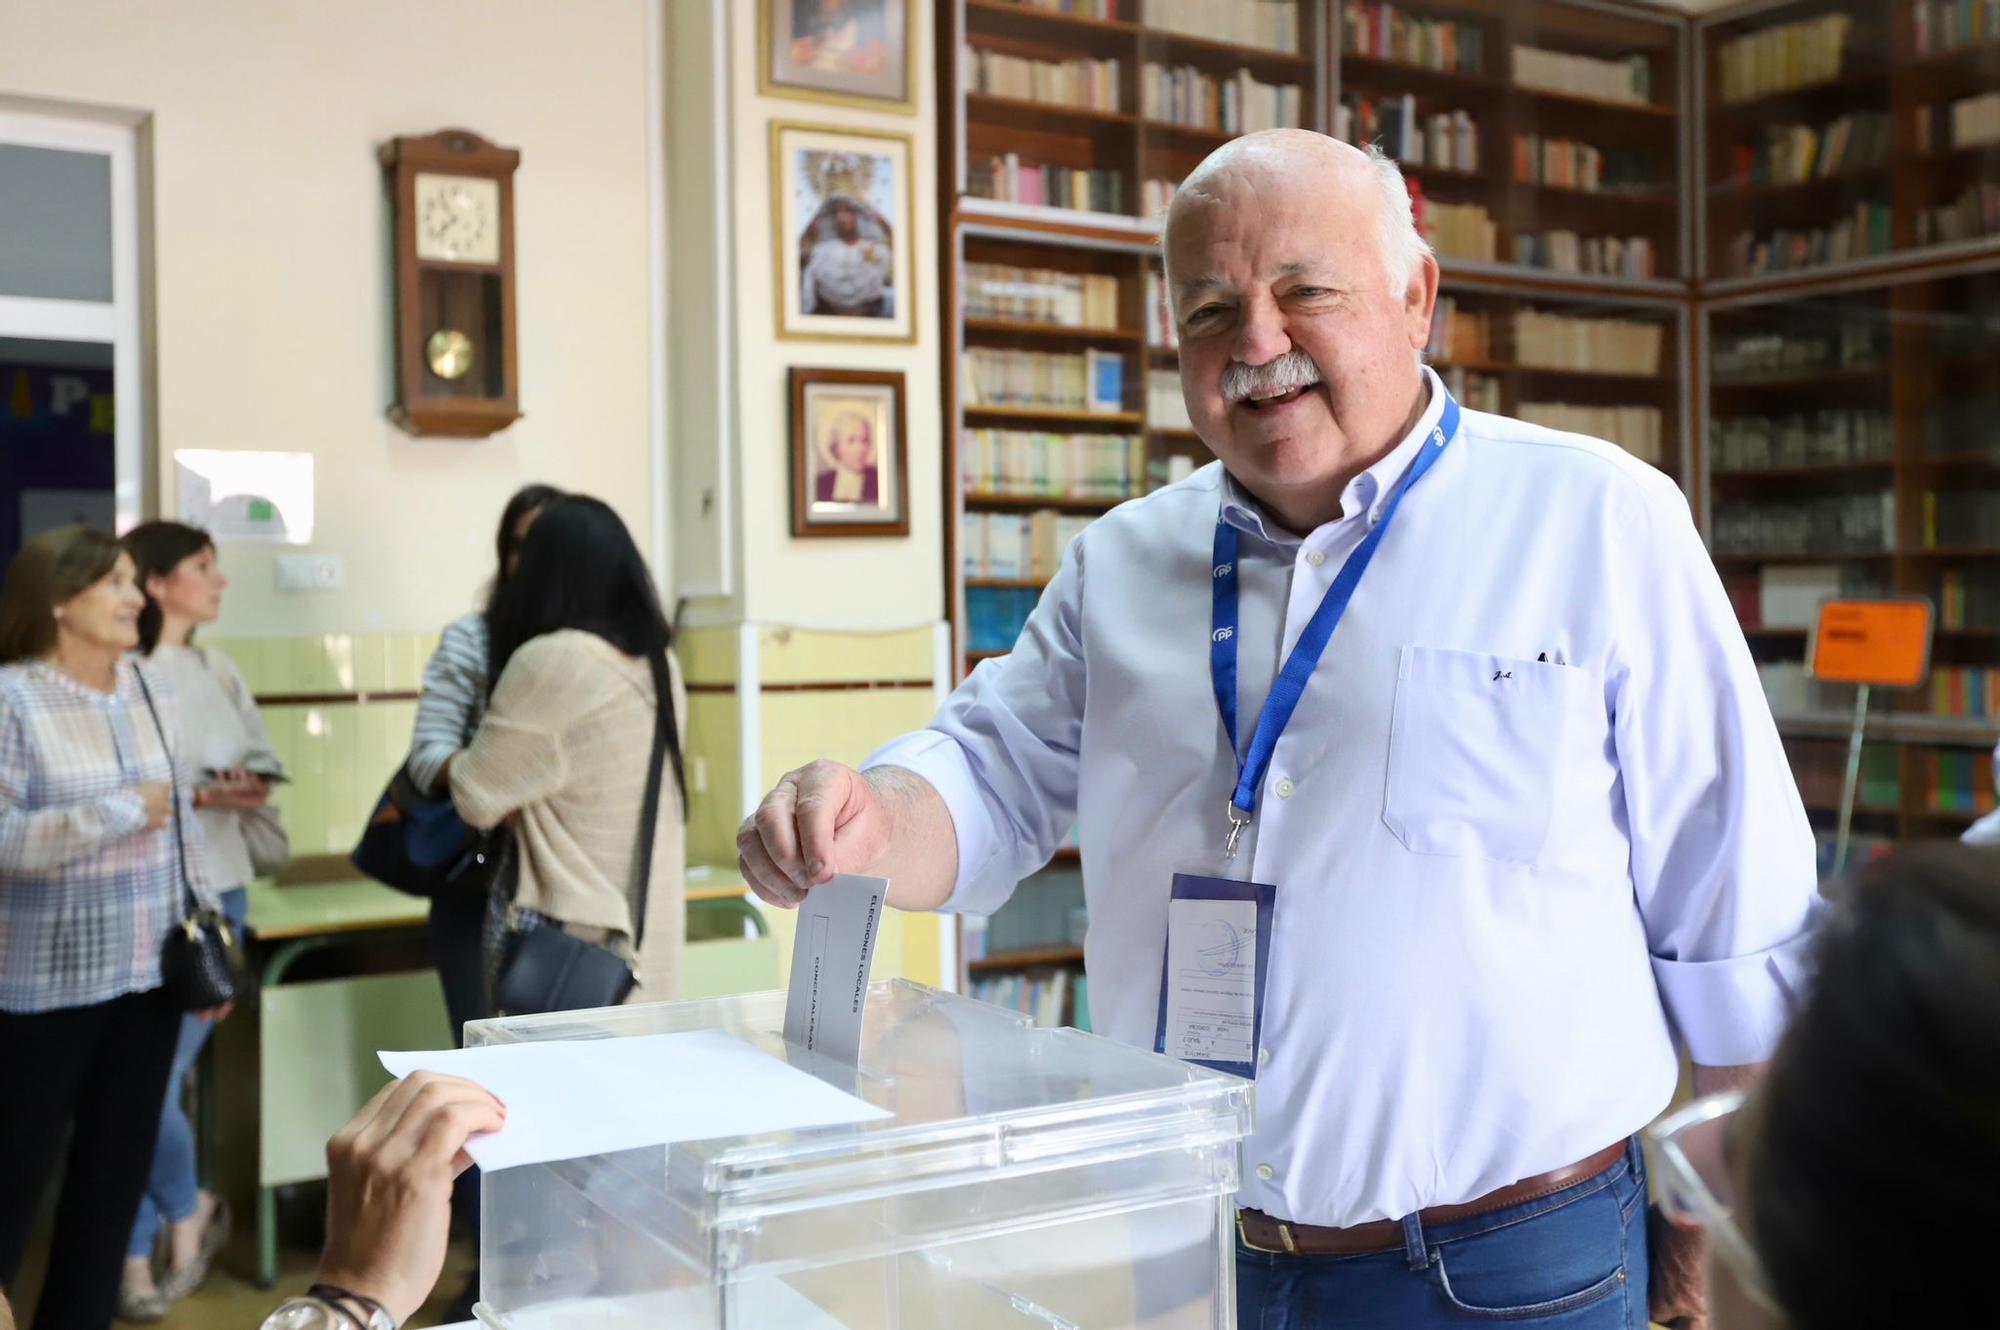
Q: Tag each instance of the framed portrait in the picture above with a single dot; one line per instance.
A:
(850, 454)
(856, 52)
(844, 266)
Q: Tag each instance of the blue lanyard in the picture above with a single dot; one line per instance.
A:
(1299, 666)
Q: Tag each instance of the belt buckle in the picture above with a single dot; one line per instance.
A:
(1284, 1232)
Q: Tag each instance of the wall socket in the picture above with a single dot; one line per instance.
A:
(310, 572)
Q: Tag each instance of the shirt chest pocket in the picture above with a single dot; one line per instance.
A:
(1478, 750)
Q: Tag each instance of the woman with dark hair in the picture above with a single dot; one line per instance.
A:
(225, 740)
(90, 886)
(583, 663)
(1873, 1140)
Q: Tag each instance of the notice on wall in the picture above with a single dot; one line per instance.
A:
(246, 497)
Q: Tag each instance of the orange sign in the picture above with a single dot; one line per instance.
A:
(1886, 643)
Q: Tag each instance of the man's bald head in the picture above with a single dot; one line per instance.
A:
(1328, 174)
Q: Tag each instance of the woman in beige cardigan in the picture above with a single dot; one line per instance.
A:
(580, 653)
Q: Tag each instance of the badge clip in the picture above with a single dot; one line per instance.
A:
(1238, 819)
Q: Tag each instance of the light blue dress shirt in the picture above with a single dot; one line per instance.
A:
(1531, 822)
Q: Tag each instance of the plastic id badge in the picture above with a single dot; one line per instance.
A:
(1212, 981)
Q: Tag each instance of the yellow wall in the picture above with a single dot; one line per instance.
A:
(271, 250)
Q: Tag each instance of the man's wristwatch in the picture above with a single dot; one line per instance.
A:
(316, 1311)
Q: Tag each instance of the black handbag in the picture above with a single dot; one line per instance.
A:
(547, 969)
(198, 959)
(418, 844)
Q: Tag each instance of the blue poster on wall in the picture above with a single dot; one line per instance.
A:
(58, 464)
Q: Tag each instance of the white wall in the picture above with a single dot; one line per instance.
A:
(271, 258)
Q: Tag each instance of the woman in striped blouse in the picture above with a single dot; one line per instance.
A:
(90, 885)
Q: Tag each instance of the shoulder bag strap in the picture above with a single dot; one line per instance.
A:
(650, 817)
(173, 785)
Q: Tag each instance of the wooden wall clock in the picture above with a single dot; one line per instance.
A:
(452, 195)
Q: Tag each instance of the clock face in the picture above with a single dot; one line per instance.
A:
(458, 218)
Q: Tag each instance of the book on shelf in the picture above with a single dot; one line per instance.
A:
(1446, 140)
(1103, 10)
(1845, 344)
(1862, 232)
(1820, 767)
(1459, 334)
(1954, 519)
(1569, 164)
(1271, 25)
(1602, 256)
(994, 376)
(1781, 58)
(1974, 213)
(1230, 104)
(1010, 463)
(1828, 526)
(1828, 437)
(1154, 196)
(1166, 406)
(1388, 32)
(1948, 25)
(1008, 179)
(1015, 546)
(1954, 780)
(1788, 595)
(1546, 340)
(1043, 997)
(1083, 83)
(1862, 849)
(1168, 469)
(1636, 429)
(1454, 230)
(1040, 295)
(1968, 603)
(1079, 1001)
(1474, 391)
(1793, 154)
(1161, 330)
(1969, 122)
(994, 616)
(1965, 692)
(1629, 79)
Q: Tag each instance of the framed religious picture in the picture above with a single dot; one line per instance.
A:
(856, 52)
(843, 235)
(850, 455)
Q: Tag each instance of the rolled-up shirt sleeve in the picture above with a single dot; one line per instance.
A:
(1723, 861)
(1003, 751)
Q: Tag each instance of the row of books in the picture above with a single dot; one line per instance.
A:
(1456, 230)
(1569, 164)
(1863, 232)
(1954, 780)
(1083, 82)
(1954, 519)
(1166, 405)
(1778, 59)
(1016, 545)
(1791, 154)
(1459, 334)
(1965, 123)
(1048, 918)
(1448, 140)
(1820, 767)
(1946, 25)
(1231, 104)
(1832, 524)
(1546, 340)
(1791, 691)
(1603, 256)
(1788, 595)
(1629, 79)
(1044, 997)
(1739, 444)
(1862, 850)
(1476, 392)
(994, 616)
(1161, 330)
(1963, 603)
(1974, 213)
(1848, 344)
(1019, 463)
(1965, 691)
(1155, 195)
(1072, 381)
(1040, 295)
(1097, 9)
(1639, 430)
(1271, 25)
(1386, 32)
(1010, 180)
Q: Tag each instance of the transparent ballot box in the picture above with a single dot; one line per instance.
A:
(1027, 1179)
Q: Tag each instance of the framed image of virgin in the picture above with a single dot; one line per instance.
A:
(843, 262)
(856, 52)
(850, 456)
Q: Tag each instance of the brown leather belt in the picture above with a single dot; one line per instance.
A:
(1259, 1232)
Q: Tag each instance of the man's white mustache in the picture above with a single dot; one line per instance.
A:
(1294, 369)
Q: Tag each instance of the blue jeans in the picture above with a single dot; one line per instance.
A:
(173, 1187)
(1575, 1260)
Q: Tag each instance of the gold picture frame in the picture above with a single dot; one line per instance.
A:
(779, 74)
(843, 233)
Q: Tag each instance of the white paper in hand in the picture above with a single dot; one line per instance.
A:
(567, 1098)
(830, 959)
